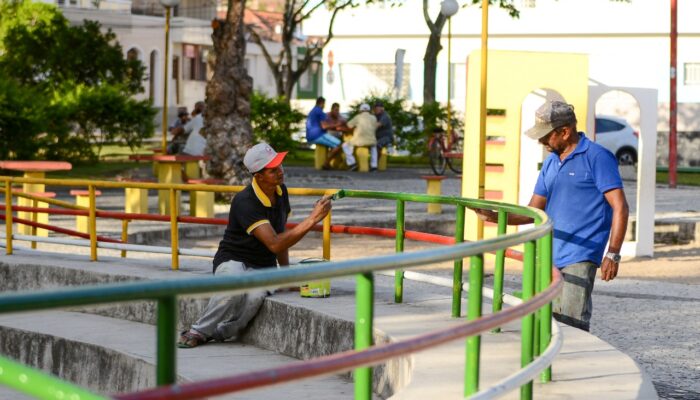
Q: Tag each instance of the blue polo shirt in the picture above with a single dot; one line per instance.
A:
(574, 189)
(313, 124)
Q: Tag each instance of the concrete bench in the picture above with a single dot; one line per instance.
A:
(136, 199)
(42, 218)
(434, 188)
(202, 203)
(82, 198)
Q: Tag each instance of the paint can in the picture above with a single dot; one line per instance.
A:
(319, 288)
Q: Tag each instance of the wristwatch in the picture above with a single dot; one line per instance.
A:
(615, 257)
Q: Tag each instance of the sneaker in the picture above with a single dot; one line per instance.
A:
(372, 169)
(352, 167)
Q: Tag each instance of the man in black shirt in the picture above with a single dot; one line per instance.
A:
(255, 238)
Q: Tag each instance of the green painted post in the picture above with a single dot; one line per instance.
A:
(528, 322)
(546, 311)
(536, 350)
(498, 272)
(400, 232)
(457, 272)
(166, 360)
(476, 281)
(363, 332)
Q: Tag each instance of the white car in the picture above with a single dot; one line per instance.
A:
(616, 135)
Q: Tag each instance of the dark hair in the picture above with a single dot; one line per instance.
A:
(378, 103)
(335, 105)
(320, 100)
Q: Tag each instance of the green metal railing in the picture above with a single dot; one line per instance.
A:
(537, 277)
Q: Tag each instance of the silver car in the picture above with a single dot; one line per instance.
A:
(616, 135)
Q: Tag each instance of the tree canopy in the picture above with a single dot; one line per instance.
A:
(64, 90)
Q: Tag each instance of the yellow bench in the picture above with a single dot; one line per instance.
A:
(202, 203)
(82, 198)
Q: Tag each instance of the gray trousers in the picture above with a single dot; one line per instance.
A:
(226, 316)
(574, 305)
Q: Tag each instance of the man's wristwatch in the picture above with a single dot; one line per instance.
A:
(615, 257)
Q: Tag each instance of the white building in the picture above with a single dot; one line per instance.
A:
(627, 44)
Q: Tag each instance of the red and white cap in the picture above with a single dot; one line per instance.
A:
(262, 156)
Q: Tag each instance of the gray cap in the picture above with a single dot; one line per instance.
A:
(262, 156)
(550, 116)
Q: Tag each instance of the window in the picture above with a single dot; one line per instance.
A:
(605, 125)
(692, 74)
(194, 63)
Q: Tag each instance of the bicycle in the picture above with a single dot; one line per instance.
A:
(445, 151)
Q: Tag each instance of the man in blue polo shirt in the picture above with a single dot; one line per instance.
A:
(580, 188)
(317, 124)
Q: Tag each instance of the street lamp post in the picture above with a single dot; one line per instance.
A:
(168, 4)
(448, 8)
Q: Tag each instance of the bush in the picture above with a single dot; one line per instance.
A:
(65, 88)
(274, 121)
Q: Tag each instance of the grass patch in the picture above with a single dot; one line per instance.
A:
(682, 178)
(103, 170)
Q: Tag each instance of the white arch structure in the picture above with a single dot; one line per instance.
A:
(643, 244)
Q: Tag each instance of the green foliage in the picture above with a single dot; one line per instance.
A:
(412, 125)
(274, 121)
(75, 86)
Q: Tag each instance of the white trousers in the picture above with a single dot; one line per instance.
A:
(350, 157)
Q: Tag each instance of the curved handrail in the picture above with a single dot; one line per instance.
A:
(165, 292)
(98, 294)
(346, 360)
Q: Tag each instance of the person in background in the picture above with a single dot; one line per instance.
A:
(317, 125)
(194, 125)
(334, 118)
(364, 127)
(580, 188)
(178, 141)
(385, 132)
(255, 239)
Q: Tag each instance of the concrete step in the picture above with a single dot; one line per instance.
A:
(304, 328)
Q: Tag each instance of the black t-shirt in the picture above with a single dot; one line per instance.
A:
(249, 209)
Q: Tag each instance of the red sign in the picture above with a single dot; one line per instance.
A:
(330, 59)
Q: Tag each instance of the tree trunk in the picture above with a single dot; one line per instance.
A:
(227, 116)
(430, 67)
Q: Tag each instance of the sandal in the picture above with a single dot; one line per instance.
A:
(189, 339)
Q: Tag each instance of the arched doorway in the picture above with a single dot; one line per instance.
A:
(152, 75)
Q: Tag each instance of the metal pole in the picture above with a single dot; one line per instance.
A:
(327, 237)
(363, 333)
(174, 241)
(498, 272)
(125, 234)
(449, 79)
(546, 311)
(528, 322)
(164, 144)
(482, 110)
(476, 281)
(672, 143)
(400, 232)
(457, 272)
(166, 360)
(8, 217)
(92, 221)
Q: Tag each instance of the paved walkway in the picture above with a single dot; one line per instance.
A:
(677, 204)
